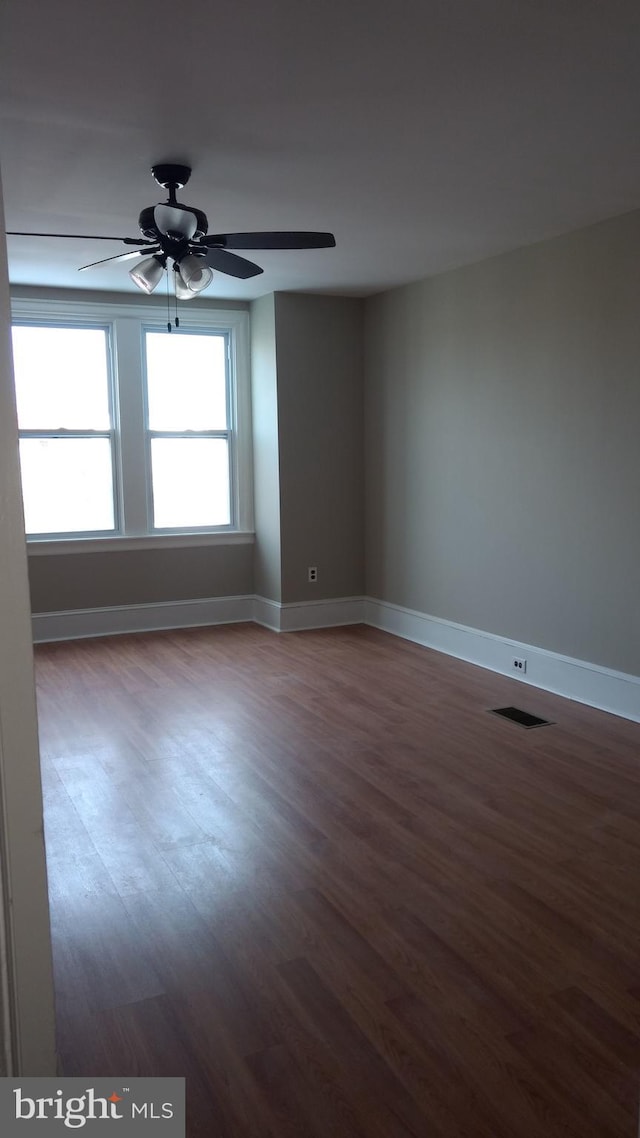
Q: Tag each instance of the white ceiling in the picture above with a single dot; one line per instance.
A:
(425, 134)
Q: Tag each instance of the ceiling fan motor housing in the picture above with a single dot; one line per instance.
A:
(171, 175)
(148, 226)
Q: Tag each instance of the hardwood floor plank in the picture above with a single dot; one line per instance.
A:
(291, 1099)
(396, 1112)
(99, 960)
(189, 960)
(582, 1078)
(601, 1026)
(146, 1039)
(508, 1087)
(255, 951)
(352, 951)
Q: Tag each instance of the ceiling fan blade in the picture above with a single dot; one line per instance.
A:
(233, 266)
(82, 237)
(284, 240)
(175, 219)
(122, 257)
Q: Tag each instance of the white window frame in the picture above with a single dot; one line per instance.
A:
(126, 324)
(228, 433)
(63, 433)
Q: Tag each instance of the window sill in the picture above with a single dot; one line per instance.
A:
(120, 544)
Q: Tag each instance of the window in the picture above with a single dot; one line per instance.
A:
(188, 429)
(63, 394)
(127, 431)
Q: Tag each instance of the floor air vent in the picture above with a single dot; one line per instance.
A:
(524, 718)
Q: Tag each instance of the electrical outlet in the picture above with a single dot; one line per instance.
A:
(519, 665)
(312, 574)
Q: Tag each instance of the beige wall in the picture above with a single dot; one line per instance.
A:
(308, 445)
(157, 303)
(142, 576)
(502, 452)
(266, 463)
(26, 995)
(320, 413)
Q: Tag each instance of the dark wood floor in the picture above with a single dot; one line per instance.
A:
(313, 875)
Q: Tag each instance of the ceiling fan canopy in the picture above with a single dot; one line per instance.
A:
(177, 233)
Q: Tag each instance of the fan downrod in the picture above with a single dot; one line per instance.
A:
(170, 176)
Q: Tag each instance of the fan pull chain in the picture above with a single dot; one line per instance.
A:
(168, 305)
(177, 320)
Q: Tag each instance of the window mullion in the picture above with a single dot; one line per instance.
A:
(134, 478)
(65, 433)
(222, 434)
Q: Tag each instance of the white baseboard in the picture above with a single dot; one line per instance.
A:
(267, 613)
(75, 624)
(587, 683)
(81, 623)
(592, 684)
(299, 615)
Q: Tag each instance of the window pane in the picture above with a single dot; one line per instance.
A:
(186, 382)
(61, 378)
(190, 482)
(67, 485)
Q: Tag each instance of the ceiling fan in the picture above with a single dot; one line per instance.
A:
(172, 232)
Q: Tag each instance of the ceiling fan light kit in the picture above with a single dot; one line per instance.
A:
(172, 232)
